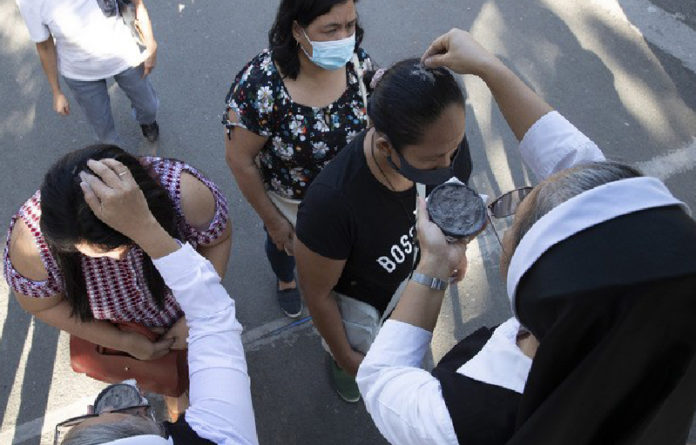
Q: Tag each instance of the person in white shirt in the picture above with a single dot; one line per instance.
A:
(221, 409)
(616, 357)
(89, 41)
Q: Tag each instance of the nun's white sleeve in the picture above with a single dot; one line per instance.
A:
(553, 144)
(221, 408)
(405, 402)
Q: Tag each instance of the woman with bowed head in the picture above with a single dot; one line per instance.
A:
(355, 228)
(221, 410)
(74, 272)
(289, 111)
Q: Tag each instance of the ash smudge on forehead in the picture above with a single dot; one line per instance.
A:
(423, 74)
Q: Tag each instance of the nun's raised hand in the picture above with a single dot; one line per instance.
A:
(115, 198)
(458, 51)
(439, 257)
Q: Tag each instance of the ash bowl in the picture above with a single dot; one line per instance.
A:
(457, 210)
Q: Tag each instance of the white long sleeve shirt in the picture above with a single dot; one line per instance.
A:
(221, 408)
(405, 401)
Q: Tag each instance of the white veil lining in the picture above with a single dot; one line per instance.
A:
(583, 211)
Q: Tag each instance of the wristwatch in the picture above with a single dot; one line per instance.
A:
(428, 281)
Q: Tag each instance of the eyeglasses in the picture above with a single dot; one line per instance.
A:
(65, 426)
(505, 205)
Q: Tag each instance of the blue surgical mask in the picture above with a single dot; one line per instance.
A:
(333, 54)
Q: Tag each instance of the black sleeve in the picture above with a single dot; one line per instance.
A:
(182, 433)
(324, 222)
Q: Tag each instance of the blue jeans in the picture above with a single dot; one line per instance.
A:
(93, 97)
(283, 265)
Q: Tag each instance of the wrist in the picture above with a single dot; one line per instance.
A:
(274, 221)
(434, 267)
(158, 243)
(489, 68)
(146, 231)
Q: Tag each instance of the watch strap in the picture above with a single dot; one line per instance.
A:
(428, 281)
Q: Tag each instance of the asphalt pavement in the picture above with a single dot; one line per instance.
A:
(624, 71)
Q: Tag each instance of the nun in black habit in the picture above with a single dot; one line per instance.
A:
(601, 268)
(606, 282)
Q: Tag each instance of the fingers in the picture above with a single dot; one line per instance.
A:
(90, 197)
(162, 347)
(437, 61)
(439, 46)
(96, 187)
(179, 343)
(460, 271)
(105, 173)
(422, 214)
(148, 65)
(124, 174)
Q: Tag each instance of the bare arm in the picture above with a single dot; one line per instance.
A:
(49, 63)
(56, 311)
(198, 205)
(145, 26)
(458, 51)
(317, 276)
(241, 149)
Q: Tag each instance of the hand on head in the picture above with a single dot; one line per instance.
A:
(114, 196)
(458, 51)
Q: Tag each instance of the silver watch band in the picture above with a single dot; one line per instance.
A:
(428, 281)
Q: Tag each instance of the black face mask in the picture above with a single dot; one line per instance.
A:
(435, 176)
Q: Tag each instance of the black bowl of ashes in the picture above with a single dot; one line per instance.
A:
(457, 210)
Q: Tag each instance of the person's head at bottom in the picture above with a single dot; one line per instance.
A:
(116, 428)
(120, 415)
(601, 268)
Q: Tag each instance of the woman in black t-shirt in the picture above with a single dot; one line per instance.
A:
(355, 228)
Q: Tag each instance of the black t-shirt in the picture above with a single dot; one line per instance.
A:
(348, 214)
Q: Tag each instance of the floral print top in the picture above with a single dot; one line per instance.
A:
(301, 139)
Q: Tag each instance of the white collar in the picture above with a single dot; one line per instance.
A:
(580, 212)
(145, 439)
(500, 362)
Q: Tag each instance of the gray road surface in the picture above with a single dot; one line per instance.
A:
(622, 70)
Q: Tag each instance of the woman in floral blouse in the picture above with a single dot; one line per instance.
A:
(289, 111)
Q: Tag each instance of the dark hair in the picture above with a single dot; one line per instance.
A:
(281, 42)
(66, 220)
(409, 97)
